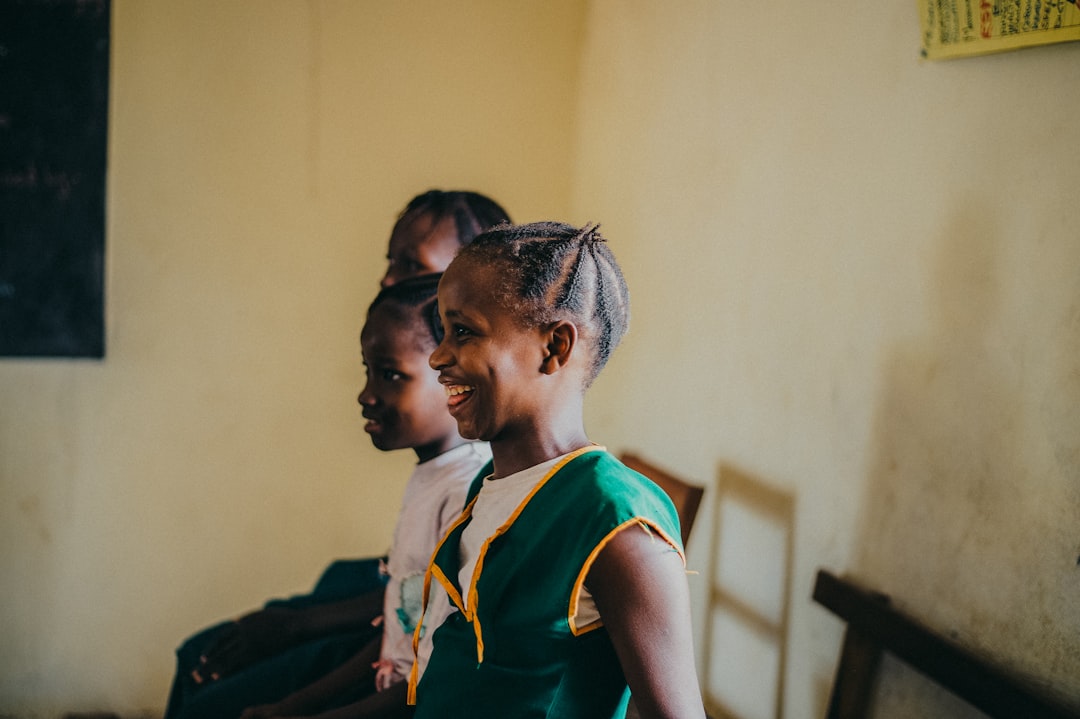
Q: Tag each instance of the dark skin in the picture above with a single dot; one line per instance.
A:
(388, 703)
(639, 585)
(420, 246)
(483, 357)
(402, 399)
(265, 632)
(403, 404)
(522, 389)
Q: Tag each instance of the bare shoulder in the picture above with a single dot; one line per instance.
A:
(640, 587)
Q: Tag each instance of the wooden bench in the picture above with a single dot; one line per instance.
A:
(873, 627)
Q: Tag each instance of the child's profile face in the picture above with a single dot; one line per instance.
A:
(420, 246)
(402, 400)
(488, 360)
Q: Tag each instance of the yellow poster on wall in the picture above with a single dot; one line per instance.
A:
(957, 28)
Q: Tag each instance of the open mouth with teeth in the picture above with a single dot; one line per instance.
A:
(457, 393)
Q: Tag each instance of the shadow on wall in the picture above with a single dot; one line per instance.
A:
(749, 597)
(955, 524)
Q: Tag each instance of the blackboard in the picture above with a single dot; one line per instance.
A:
(54, 92)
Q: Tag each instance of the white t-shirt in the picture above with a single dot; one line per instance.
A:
(434, 498)
(497, 501)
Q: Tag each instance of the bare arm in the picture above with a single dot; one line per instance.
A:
(344, 615)
(358, 669)
(268, 631)
(639, 584)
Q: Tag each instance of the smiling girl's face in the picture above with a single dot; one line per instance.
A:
(402, 401)
(489, 361)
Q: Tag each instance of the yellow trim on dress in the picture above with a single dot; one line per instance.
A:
(452, 592)
(478, 569)
(579, 583)
(469, 611)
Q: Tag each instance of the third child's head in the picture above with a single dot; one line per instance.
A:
(530, 314)
(403, 403)
(433, 227)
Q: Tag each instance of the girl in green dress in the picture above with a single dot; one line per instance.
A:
(566, 567)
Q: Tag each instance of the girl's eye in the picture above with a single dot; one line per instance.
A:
(391, 375)
(406, 265)
(461, 332)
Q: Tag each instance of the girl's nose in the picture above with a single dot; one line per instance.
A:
(365, 398)
(440, 357)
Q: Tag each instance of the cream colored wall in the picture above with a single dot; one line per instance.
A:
(854, 275)
(259, 154)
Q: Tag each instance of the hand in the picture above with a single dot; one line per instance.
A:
(250, 638)
(384, 674)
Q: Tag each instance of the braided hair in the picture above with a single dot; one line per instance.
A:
(412, 302)
(472, 212)
(554, 270)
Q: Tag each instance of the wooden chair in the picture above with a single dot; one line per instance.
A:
(685, 496)
(874, 627)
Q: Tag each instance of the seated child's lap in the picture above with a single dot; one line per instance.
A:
(287, 671)
(275, 677)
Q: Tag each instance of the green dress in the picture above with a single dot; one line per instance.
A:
(516, 652)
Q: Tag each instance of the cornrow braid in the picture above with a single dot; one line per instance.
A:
(416, 299)
(606, 316)
(557, 270)
(472, 212)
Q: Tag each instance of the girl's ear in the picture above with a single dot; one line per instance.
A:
(560, 340)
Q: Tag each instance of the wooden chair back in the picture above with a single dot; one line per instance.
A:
(685, 496)
(875, 627)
